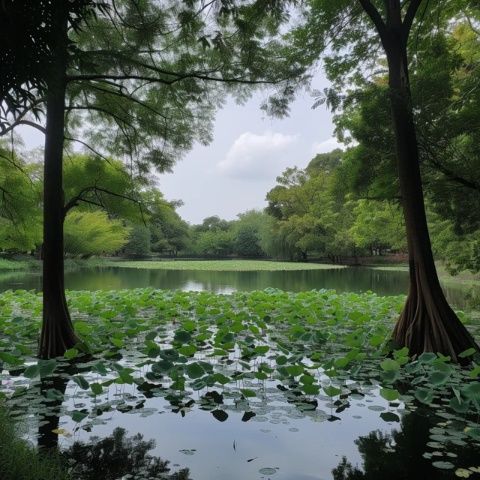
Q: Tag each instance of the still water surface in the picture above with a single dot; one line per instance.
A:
(353, 279)
(282, 441)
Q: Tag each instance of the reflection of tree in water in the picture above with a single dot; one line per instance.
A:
(107, 458)
(113, 457)
(399, 455)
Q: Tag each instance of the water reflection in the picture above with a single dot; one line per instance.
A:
(406, 454)
(52, 391)
(111, 457)
(353, 279)
(117, 456)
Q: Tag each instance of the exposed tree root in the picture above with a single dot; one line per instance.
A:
(57, 334)
(428, 324)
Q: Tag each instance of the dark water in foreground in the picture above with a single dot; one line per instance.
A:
(365, 438)
(352, 279)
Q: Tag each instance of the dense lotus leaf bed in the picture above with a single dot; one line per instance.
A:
(265, 354)
(222, 265)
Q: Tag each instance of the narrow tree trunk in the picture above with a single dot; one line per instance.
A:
(427, 323)
(47, 439)
(57, 330)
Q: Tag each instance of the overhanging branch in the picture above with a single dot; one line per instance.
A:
(377, 20)
(409, 17)
(178, 78)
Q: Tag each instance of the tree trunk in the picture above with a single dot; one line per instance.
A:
(427, 323)
(57, 334)
(47, 439)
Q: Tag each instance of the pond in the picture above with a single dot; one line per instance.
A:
(257, 385)
(352, 279)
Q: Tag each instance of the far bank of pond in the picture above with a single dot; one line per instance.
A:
(125, 275)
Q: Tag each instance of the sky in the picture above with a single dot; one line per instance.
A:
(249, 150)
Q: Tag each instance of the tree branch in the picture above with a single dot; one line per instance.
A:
(80, 197)
(89, 148)
(377, 20)
(409, 17)
(33, 125)
(470, 23)
(73, 202)
(20, 121)
(98, 109)
(127, 96)
(450, 174)
(178, 78)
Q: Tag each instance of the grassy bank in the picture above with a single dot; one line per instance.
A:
(20, 461)
(463, 278)
(35, 264)
(27, 264)
(222, 265)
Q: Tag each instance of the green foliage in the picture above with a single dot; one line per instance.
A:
(26, 34)
(138, 244)
(443, 78)
(315, 213)
(93, 233)
(299, 204)
(19, 460)
(18, 264)
(20, 220)
(177, 62)
(457, 251)
(213, 223)
(325, 162)
(90, 183)
(169, 233)
(215, 242)
(248, 232)
(317, 347)
(220, 265)
(246, 242)
(378, 225)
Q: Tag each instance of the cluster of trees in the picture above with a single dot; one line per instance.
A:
(107, 211)
(308, 215)
(133, 80)
(315, 214)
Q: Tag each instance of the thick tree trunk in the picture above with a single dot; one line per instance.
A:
(57, 330)
(427, 323)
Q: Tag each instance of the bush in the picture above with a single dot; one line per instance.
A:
(20, 461)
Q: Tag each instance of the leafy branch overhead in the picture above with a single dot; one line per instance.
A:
(152, 74)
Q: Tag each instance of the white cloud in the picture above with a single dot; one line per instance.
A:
(326, 146)
(258, 157)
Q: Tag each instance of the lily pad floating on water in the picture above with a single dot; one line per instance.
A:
(220, 415)
(247, 416)
(268, 471)
(188, 451)
(389, 417)
(443, 465)
(463, 473)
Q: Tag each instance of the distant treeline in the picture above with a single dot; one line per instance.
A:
(312, 213)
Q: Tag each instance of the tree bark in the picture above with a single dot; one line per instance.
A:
(57, 334)
(427, 323)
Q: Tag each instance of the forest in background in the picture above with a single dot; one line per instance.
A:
(312, 213)
(343, 204)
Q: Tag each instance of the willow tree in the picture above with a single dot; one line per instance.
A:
(140, 80)
(357, 39)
